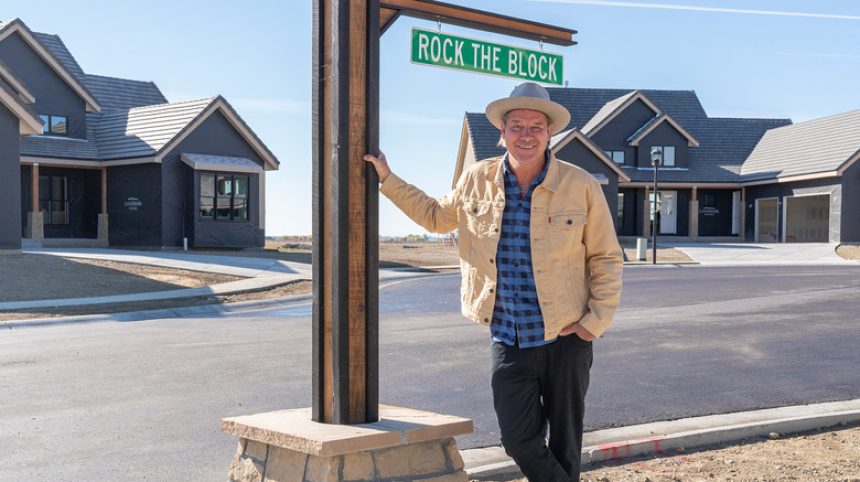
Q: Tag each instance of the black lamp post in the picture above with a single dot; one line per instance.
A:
(656, 160)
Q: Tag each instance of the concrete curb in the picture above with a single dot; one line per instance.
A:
(189, 311)
(697, 432)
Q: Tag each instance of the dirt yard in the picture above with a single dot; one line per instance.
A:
(42, 277)
(665, 255)
(848, 251)
(828, 456)
(391, 255)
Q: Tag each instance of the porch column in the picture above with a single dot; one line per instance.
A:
(694, 214)
(103, 215)
(35, 221)
(646, 219)
(743, 215)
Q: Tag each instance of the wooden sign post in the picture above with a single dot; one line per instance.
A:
(345, 189)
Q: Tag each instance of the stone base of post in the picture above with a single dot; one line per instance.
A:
(404, 445)
(35, 228)
(103, 228)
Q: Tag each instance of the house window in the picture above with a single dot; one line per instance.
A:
(619, 211)
(55, 125)
(224, 197)
(668, 155)
(616, 156)
(54, 199)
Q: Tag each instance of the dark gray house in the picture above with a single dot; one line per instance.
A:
(110, 160)
(753, 179)
(803, 182)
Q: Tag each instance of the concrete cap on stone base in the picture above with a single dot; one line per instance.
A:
(294, 430)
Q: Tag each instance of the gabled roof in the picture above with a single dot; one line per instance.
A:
(7, 76)
(143, 131)
(611, 109)
(724, 143)
(558, 141)
(826, 145)
(656, 121)
(219, 104)
(29, 122)
(115, 93)
(52, 50)
(153, 131)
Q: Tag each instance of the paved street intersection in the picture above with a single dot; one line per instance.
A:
(143, 399)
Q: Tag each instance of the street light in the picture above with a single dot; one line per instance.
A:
(656, 160)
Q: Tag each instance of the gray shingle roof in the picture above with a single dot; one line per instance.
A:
(606, 111)
(58, 49)
(115, 93)
(142, 131)
(724, 143)
(135, 119)
(207, 162)
(818, 145)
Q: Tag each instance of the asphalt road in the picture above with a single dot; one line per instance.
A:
(142, 400)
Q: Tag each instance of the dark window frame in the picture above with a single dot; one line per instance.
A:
(51, 199)
(231, 197)
(663, 148)
(51, 121)
(611, 154)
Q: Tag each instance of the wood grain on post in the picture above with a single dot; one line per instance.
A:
(345, 226)
(345, 190)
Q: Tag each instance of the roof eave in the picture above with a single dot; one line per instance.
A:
(270, 162)
(17, 25)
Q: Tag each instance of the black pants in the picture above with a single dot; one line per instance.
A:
(538, 387)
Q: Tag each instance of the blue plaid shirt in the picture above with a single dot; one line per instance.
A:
(517, 318)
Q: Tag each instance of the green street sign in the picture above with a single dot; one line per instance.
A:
(448, 51)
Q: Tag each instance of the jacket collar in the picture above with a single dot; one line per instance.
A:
(550, 182)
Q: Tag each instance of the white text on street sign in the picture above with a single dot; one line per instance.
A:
(460, 53)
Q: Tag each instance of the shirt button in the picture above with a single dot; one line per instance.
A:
(492, 261)
(569, 221)
(491, 290)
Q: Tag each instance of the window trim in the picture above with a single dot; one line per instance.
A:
(215, 197)
(663, 148)
(611, 155)
(47, 128)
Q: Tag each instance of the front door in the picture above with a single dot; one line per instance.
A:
(668, 212)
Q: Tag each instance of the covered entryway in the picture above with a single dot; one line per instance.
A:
(766, 220)
(807, 219)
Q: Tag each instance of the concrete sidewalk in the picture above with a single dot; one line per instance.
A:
(664, 437)
(774, 254)
(258, 273)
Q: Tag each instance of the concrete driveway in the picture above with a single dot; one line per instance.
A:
(775, 254)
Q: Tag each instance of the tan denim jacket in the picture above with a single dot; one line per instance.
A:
(575, 255)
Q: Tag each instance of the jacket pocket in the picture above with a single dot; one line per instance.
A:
(479, 218)
(566, 230)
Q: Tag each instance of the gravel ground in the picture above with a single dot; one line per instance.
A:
(42, 277)
(827, 456)
(848, 251)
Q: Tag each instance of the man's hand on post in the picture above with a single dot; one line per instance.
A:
(380, 164)
(579, 330)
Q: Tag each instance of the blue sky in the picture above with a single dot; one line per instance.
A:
(752, 58)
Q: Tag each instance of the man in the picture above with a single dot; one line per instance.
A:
(541, 267)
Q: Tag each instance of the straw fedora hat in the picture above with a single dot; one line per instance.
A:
(529, 96)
